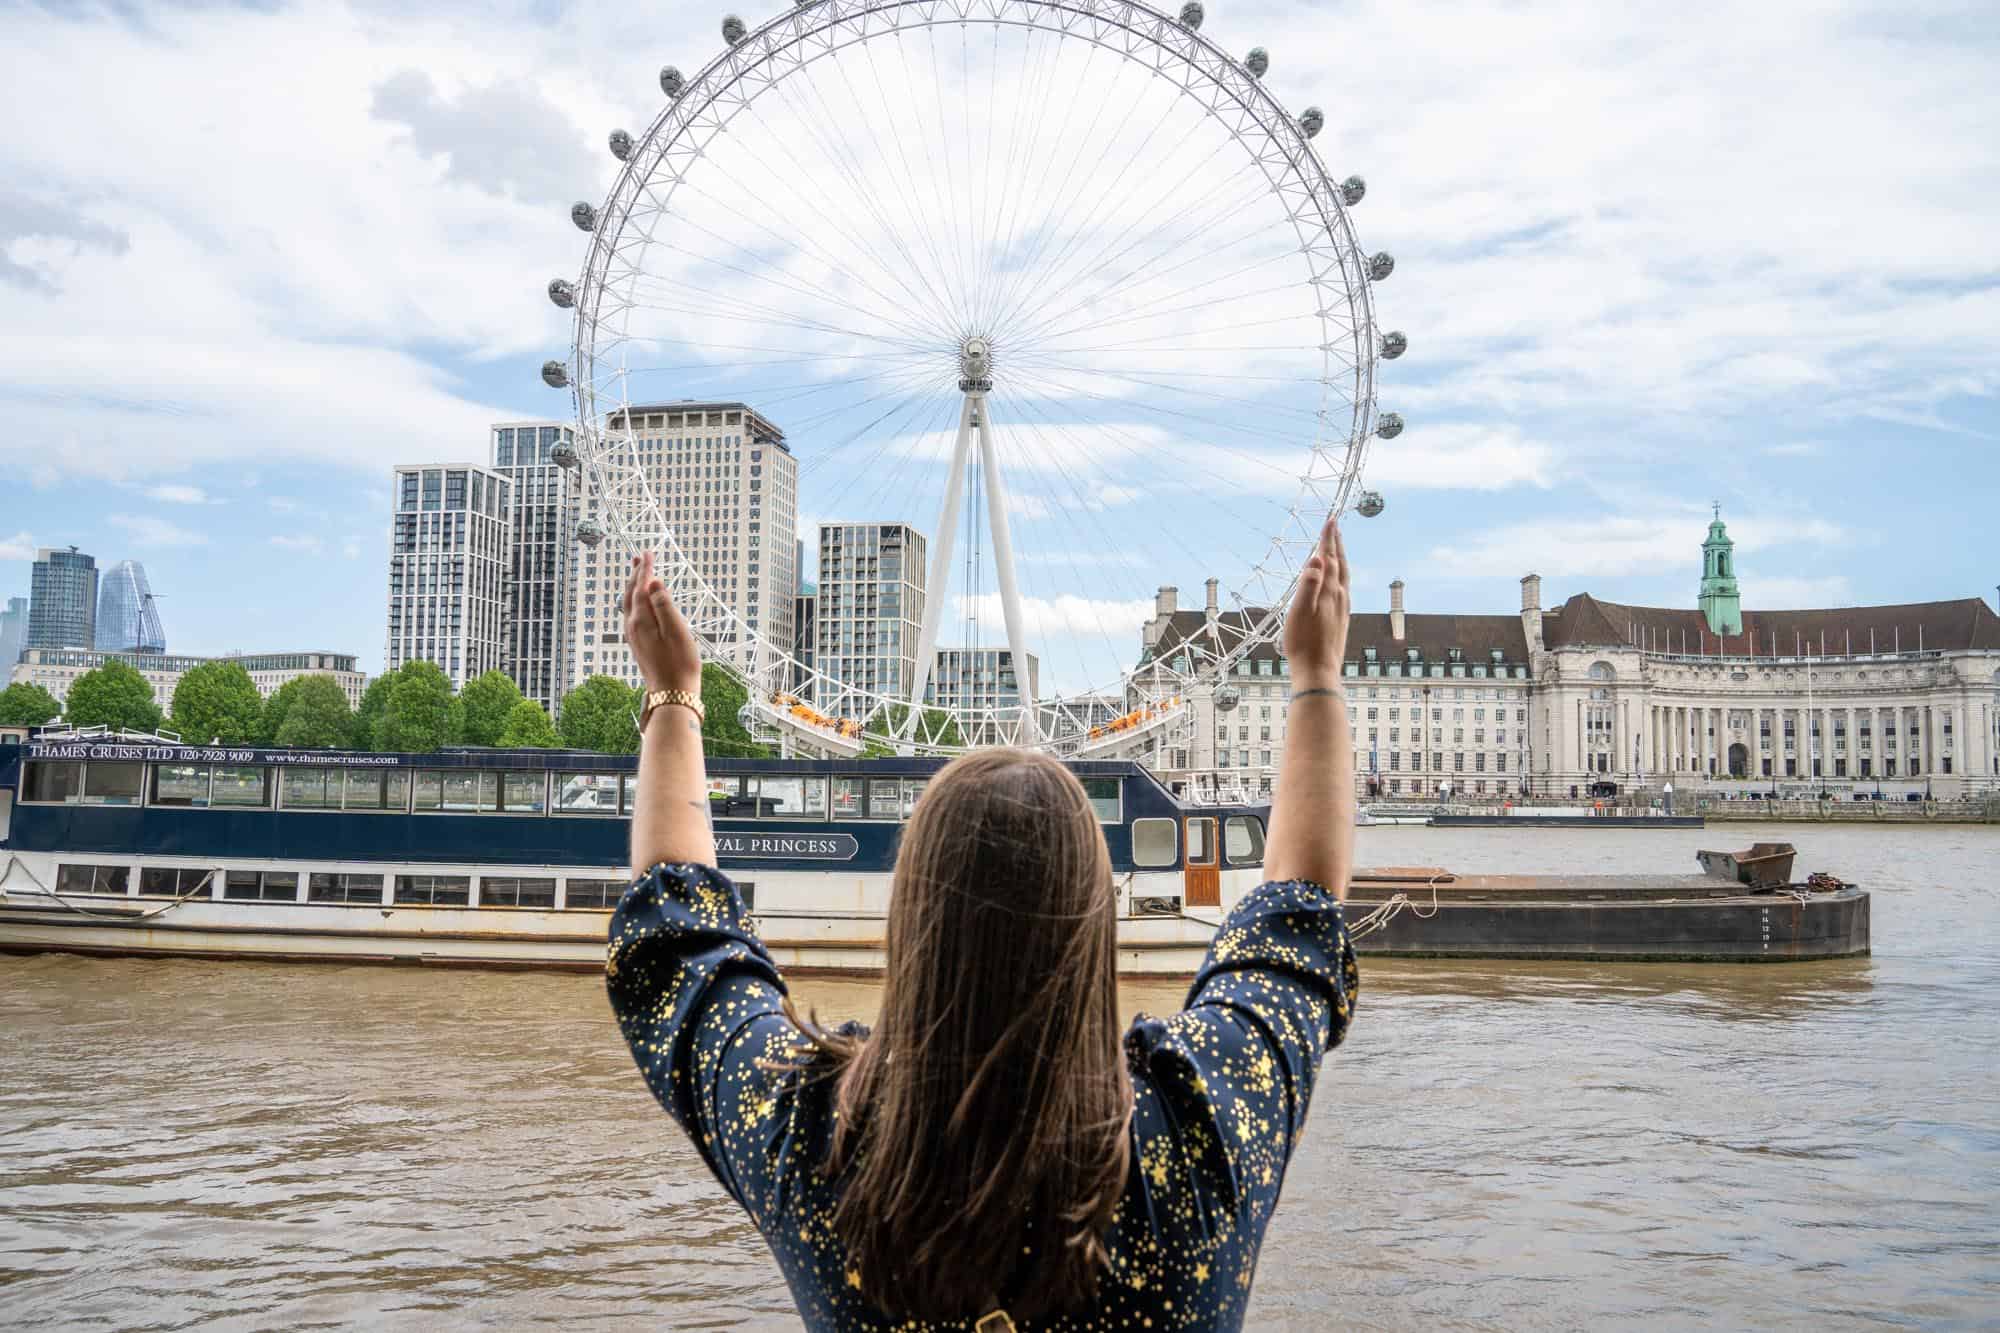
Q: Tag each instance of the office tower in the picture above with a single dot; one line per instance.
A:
(13, 633)
(805, 628)
(728, 486)
(870, 604)
(973, 682)
(448, 569)
(541, 556)
(62, 606)
(128, 621)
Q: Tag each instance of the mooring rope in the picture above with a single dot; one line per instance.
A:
(201, 886)
(1384, 912)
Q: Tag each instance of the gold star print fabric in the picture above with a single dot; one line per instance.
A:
(1220, 1092)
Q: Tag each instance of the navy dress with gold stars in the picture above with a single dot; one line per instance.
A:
(1220, 1093)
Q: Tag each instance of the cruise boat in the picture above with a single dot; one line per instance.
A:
(515, 857)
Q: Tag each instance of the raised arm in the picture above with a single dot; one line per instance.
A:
(670, 808)
(1312, 819)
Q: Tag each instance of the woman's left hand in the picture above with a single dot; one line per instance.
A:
(661, 642)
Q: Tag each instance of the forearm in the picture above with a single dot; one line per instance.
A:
(1312, 819)
(670, 809)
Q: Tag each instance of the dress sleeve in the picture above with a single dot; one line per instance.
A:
(1236, 1067)
(700, 1004)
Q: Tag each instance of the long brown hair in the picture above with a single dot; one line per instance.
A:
(980, 1146)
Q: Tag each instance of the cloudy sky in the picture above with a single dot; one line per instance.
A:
(1648, 257)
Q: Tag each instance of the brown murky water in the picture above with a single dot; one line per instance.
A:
(1528, 1146)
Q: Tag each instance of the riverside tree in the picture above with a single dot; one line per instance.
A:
(421, 713)
(313, 714)
(25, 704)
(489, 700)
(601, 715)
(365, 728)
(528, 727)
(218, 702)
(114, 695)
(722, 698)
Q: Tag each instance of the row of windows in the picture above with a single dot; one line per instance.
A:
(473, 791)
(545, 892)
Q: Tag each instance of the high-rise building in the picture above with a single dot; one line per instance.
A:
(805, 626)
(728, 484)
(62, 606)
(542, 513)
(976, 682)
(13, 632)
(870, 604)
(56, 669)
(127, 619)
(448, 569)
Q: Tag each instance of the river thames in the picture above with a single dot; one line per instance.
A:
(242, 1145)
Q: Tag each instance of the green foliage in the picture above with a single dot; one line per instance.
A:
(601, 715)
(114, 695)
(488, 701)
(316, 715)
(722, 698)
(421, 713)
(218, 702)
(936, 727)
(365, 728)
(24, 704)
(527, 725)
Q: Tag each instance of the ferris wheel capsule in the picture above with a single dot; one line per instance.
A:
(1394, 344)
(732, 29)
(671, 81)
(555, 375)
(563, 454)
(1370, 504)
(1311, 121)
(1192, 14)
(1352, 189)
(1389, 425)
(1381, 265)
(562, 293)
(583, 215)
(590, 532)
(1227, 698)
(621, 145)
(1257, 61)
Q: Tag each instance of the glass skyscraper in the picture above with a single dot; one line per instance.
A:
(127, 620)
(541, 548)
(62, 606)
(13, 635)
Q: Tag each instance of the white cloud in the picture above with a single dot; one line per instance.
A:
(1064, 614)
(146, 530)
(1461, 457)
(1784, 592)
(1617, 544)
(167, 493)
(280, 505)
(1792, 449)
(351, 548)
(302, 542)
(20, 546)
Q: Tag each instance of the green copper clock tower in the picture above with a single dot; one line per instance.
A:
(1719, 603)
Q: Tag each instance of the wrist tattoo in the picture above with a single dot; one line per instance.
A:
(1305, 694)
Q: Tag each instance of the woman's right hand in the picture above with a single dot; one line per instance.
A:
(1315, 639)
(662, 645)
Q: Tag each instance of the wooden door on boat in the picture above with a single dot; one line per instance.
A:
(1201, 880)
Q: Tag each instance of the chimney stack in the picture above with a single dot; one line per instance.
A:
(1163, 607)
(1531, 612)
(1211, 585)
(1163, 601)
(1396, 610)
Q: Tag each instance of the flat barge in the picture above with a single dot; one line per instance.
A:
(514, 859)
(1591, 821)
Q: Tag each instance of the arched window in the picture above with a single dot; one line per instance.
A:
(1603, 671)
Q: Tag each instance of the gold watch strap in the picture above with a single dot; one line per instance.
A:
(687, 699)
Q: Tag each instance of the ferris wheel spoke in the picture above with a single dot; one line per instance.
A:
(1053, 386)
(1262, 402)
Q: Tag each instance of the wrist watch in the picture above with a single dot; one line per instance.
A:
(687, 699)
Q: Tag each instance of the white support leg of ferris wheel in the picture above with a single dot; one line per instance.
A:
(1003, 568)
(940, 570)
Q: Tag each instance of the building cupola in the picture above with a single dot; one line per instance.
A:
(1720, 605)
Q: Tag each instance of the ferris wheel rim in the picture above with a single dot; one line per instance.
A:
(716, 94)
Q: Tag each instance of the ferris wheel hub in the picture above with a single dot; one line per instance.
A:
(975, 364)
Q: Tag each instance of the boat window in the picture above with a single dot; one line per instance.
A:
(1201, 842)
(721, 789)
(514, 891)
(333, 887)
(885, 798)
(276, 886)
(53, 780)
(526, 793)
(309, 788)
(783, 797)
(595, 894)
(457, 792)
(1103, 794)
(1243, 840)
(847, 793)
(170, 882)
(113, 783)
(1154, 843)
(243, 784)
(180, 784)
(385, 790)
(587, 794)
(436, 890)
(91, 879)
(913, 791)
